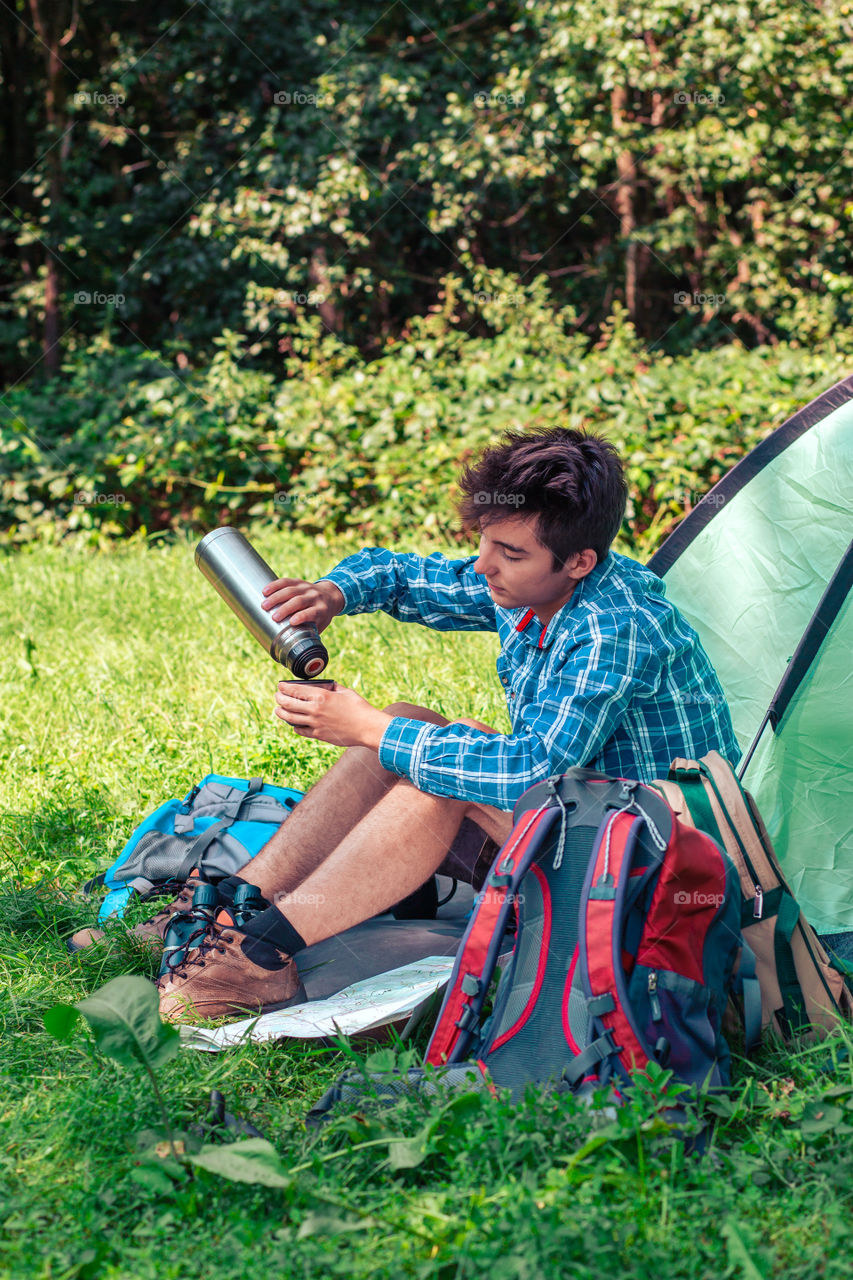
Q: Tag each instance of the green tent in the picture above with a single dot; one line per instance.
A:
(762, 567)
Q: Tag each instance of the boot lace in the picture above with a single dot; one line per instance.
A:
(191, 952)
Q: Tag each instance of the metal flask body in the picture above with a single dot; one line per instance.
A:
(233, 567)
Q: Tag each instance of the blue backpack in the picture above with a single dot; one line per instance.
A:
(215, 830)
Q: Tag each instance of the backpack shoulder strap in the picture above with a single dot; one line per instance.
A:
(215, 797)
(602, 903)
(676, 800)
(459, 1017)
(717, 807)
(724, 787)
(688, 777)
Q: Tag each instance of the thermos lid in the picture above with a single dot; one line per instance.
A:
(308, 658)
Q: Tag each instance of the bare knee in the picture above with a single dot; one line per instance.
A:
(404, 786)
(413, 712)
(475, 724)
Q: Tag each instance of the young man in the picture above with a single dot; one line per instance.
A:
(598, 669)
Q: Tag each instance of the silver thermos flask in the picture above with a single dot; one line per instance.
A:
(232, 565)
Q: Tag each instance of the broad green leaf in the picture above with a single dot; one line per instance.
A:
(740, 1258)
(253, 1160)
(463, 1106)
(59, 1021)
(330, 1224)
(125, 1020)
(820, 1117)
(152, 1178)
(381, 1061)
(408, 1153)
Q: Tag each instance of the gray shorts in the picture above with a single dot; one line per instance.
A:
(471, 855)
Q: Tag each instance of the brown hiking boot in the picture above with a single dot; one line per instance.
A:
(220, 979)
(152, 930)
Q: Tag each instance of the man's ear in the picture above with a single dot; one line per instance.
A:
(582, 563)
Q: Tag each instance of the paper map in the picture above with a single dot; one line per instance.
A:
(373, 1002)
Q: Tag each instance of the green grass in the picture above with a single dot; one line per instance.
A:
(124, 679)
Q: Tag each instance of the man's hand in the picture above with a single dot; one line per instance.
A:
(339, 716)
(302, 602)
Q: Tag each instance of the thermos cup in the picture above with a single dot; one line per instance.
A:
(232, 565)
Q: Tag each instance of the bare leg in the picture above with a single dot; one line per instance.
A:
(367, 854)
(384, 858)
(327, 814)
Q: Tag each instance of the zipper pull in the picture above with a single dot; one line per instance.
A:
(758, 905)
(657, 1016)
(188, 803)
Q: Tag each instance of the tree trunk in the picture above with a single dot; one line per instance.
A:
(626, 191)
(48, 30)
(317, 275)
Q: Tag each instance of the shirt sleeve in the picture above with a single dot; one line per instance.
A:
(580, 704)
(443, 594)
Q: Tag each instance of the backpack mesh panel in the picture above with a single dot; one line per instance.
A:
(577, 1016)
(158, 856)
(352, 1090)
(539, 1050)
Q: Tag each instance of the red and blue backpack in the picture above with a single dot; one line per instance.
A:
(627, 948)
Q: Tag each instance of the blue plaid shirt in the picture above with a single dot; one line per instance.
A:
(617, 681)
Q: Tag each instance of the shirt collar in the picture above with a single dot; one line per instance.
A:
(529, 626)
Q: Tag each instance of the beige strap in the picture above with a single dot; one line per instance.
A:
(763, 859)
(674, 797)
(730, 842)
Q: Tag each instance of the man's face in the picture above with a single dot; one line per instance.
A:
(519, 570)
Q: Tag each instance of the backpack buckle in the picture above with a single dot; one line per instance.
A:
(604, 888)
(467, 1020)
(498, 881)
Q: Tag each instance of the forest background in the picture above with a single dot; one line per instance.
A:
(275, 260)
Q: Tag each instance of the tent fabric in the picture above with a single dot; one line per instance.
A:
(762, 570)
(802, 777)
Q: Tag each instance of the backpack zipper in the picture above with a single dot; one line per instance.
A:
(188, 803)
(657, 1016)
(758, 905)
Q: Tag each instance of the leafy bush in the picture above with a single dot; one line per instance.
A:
(127, 444)
(271, 161)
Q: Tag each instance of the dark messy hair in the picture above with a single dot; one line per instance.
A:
(571, 481)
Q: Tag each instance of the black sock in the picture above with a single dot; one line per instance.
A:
(227, 888)
(273, 928)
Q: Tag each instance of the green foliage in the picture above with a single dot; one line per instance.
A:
(252, 1160)
(128, 444)
(284, 171)
(124, 1020)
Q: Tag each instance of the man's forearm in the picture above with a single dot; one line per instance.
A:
(375, 724)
